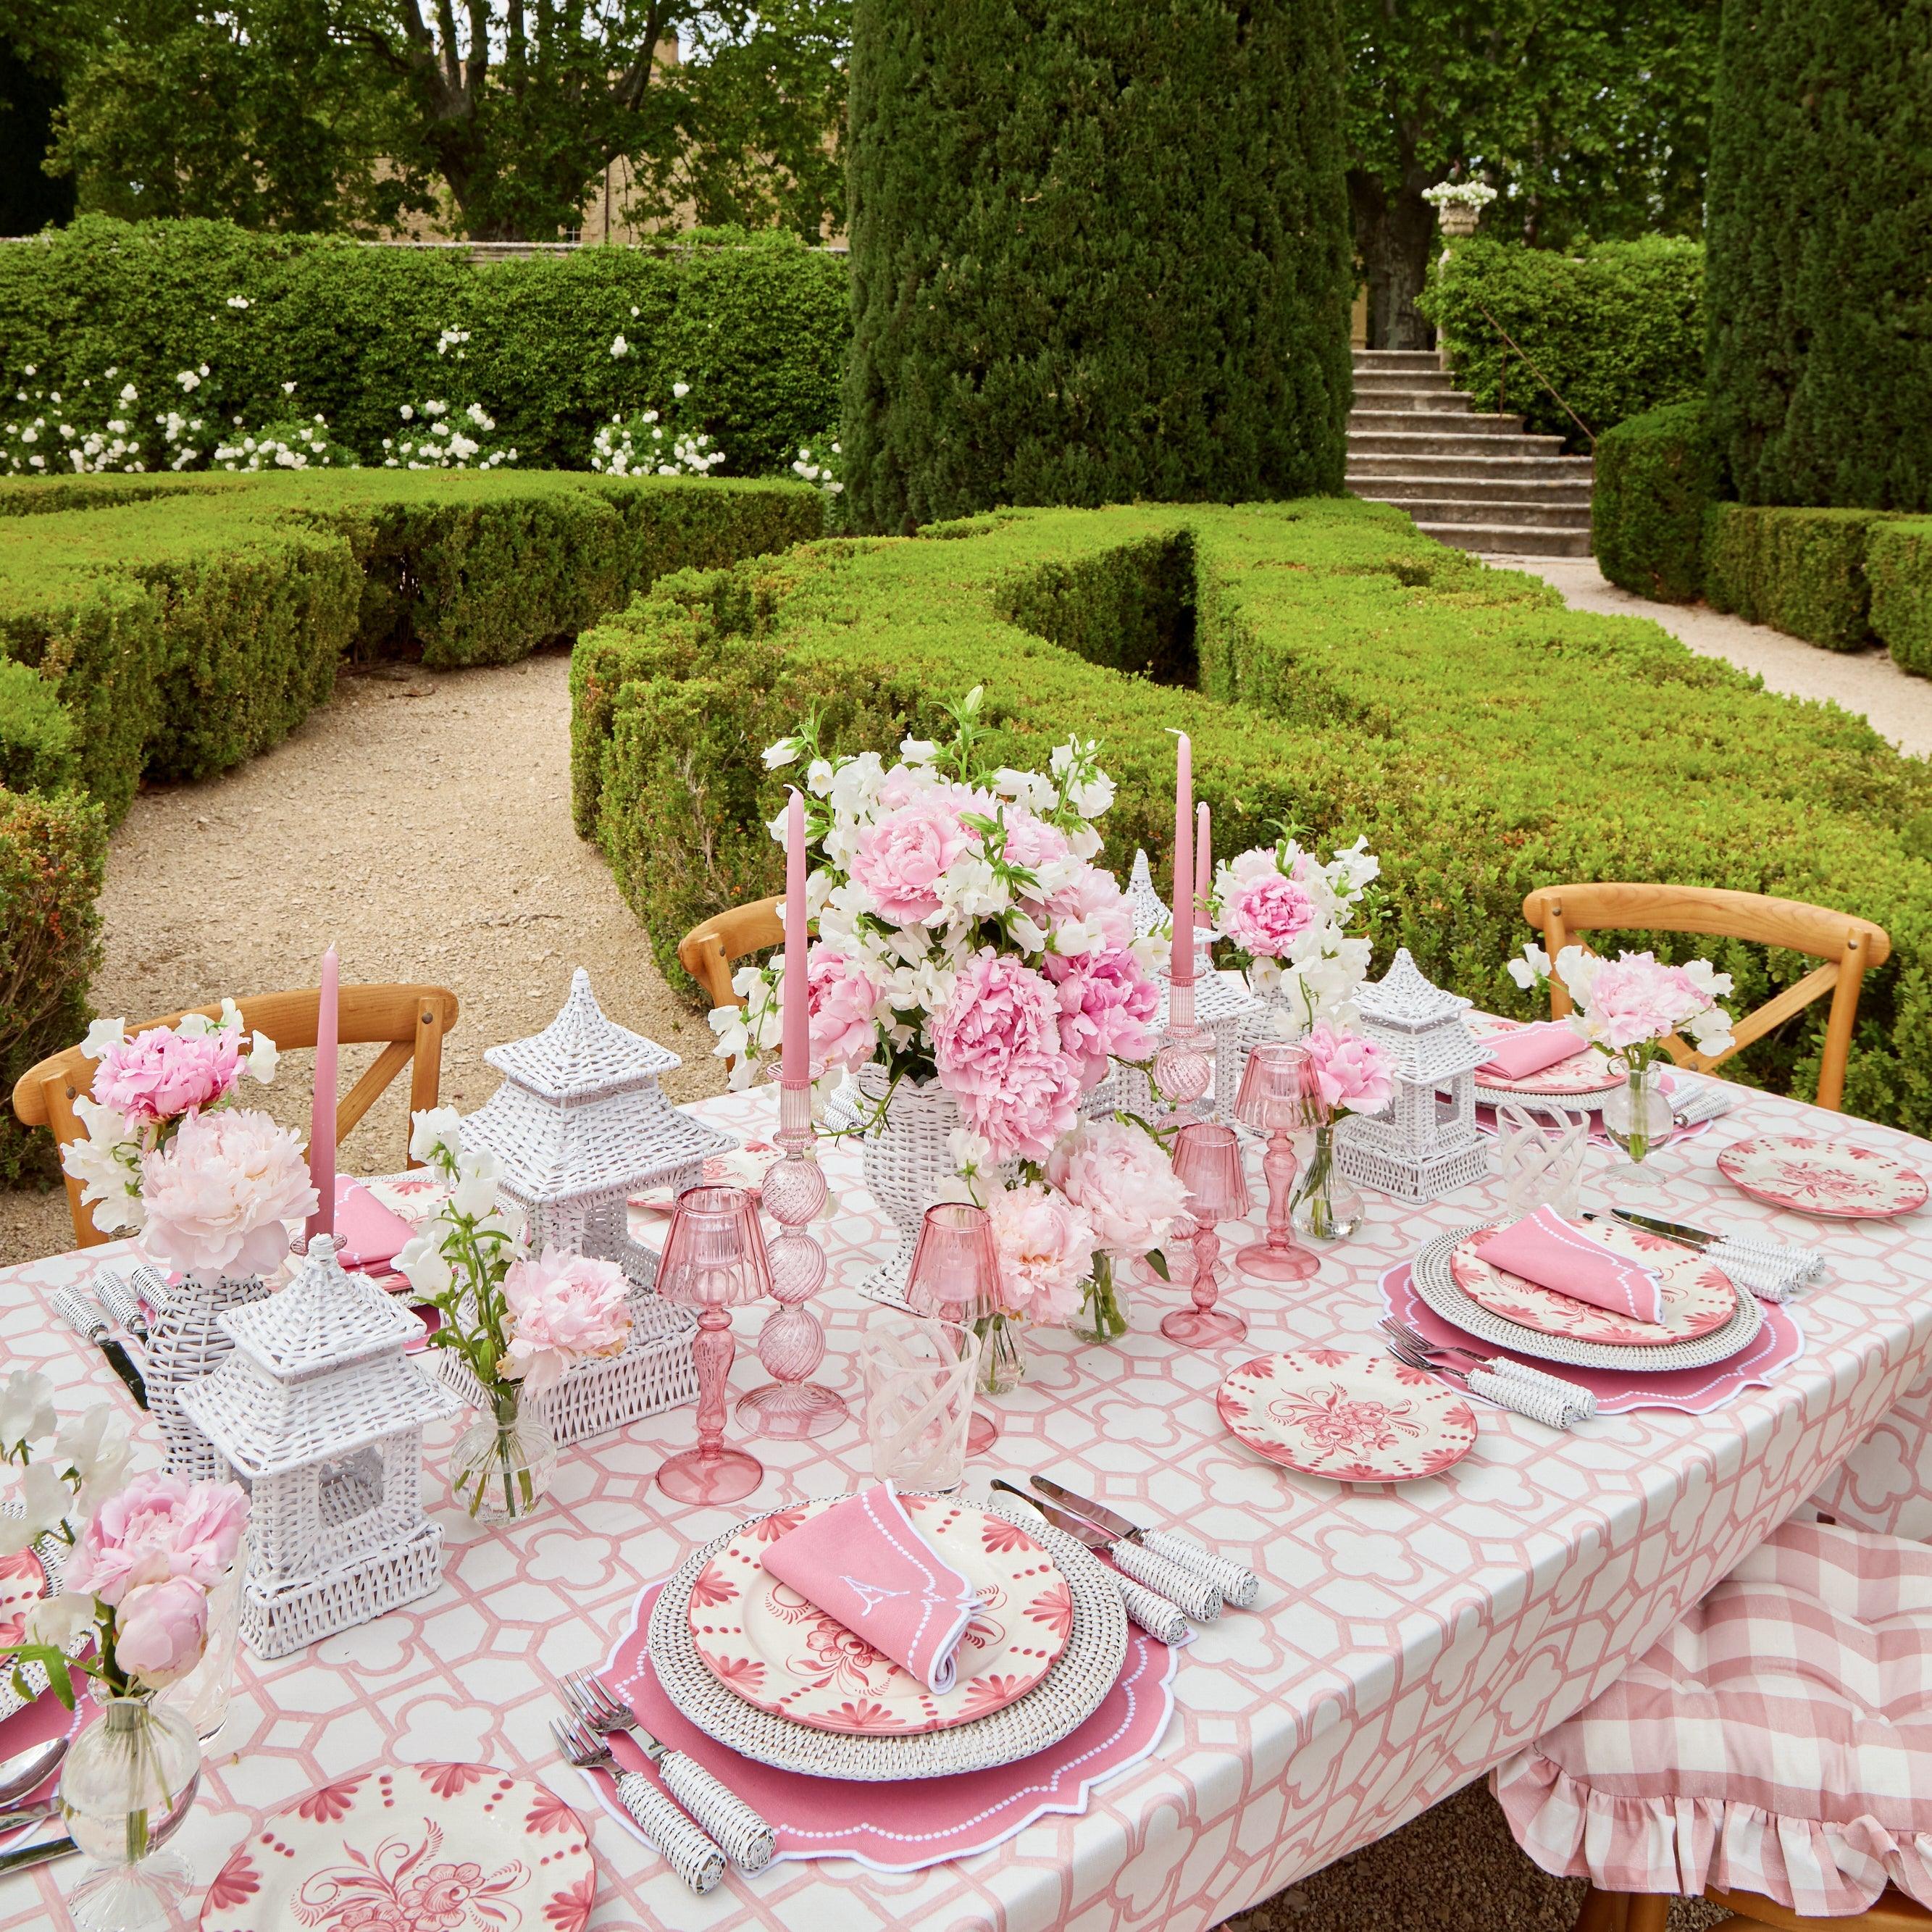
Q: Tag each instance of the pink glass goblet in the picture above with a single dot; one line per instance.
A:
(1270, 1101)
(1207, 1162)
(715, 1260)
(955, 1276)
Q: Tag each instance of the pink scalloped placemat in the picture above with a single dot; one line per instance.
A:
(920, 1822)
(1775, 1347)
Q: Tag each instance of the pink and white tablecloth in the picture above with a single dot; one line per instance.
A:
(1406, 1638)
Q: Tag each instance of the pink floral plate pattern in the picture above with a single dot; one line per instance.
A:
(1586, 1073)
(414, 1848)
(1823, 1178)
(780, 1653)
(1698, 1296)
(1356, 1418)
(23, 1582)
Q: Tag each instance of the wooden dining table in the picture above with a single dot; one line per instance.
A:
(1407, 1637)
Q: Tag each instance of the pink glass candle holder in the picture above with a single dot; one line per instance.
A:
(1207, 1163)
(1270, 1101)
(955, 1276)
(1181, 1068)
(790, 1407)
(714, 1261)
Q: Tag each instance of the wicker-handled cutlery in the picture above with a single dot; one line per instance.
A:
(88, 1320)
(1195, 1596)
(1238, 1584)
(1518, 1397)
(1772, 1270)
(688, 1852)
(747, 1840)
(1582, 1403)
(117, 1296)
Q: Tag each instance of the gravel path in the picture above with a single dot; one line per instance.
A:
(1867, 682)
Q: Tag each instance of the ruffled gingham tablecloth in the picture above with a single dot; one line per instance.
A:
(1407, 1638)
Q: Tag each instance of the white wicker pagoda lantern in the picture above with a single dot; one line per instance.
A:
(579, 1124)
(1424, 1143)
(318, 1413)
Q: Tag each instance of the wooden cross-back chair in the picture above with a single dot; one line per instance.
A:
(1848, 945)
(411, 1020)
(707, 950)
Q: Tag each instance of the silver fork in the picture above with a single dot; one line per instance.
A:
(1399, 1331)
(1555, 1387)
(747, 1840)
(686, 1849)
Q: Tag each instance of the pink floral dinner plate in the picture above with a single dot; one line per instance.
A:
(1357, 1418)
(23, 1582)
(1814, 1177)
(1585, 1073)
(415, 1845)
(1698, 1296)
(768, 1645)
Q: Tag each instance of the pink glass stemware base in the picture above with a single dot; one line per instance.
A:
(1203, 1328)
(717, 1476)
(981, 1432)
(1266, 1262)
(790, 1411)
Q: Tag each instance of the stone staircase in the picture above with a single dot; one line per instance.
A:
(1476, 481)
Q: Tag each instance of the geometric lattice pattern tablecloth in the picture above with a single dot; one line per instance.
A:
(1406, 1639)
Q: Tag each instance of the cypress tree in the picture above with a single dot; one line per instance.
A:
(1819, 281)
(1099, 251)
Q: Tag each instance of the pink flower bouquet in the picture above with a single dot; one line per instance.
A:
(1287, 915)
(1628, 1006)
(217, 1197)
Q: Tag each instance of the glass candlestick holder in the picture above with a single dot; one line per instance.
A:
(791, 1344)
(1183, 1072)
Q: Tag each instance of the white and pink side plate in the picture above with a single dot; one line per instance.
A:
(1823, 1178)
(1354, 1418)
(779, 1652)
(1585, 1077)
(1697, 1296)
(416, 1846)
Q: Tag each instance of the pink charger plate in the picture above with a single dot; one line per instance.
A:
(905, 1825)
(46, 1716)
(1776, 1345)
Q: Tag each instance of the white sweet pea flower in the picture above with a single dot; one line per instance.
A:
(1025, 934)
(1710, 1031)
(103, 1034)
(1073, 938)
(263, 1057)
(969, 1153)
(970, 889)
(1531, 969)
(45, 1501)
(106, 1162)
(1029, 789)
(26, 1408)
(853, 789)
(1708, 981)
(434, 1130)
(94, 1445)
(1577, 968)
(1092, 796)
(194, 1026)
(60, 1620)
(421, 1259)
(1085, 842)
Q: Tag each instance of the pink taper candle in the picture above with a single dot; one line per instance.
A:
(322, 1114)
(795, 1068)
(1204, 863)
(1181, 967)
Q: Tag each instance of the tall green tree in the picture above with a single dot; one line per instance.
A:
(1589, 117)
(319, 114)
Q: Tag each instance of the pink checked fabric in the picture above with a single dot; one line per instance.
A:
(1778, 1740)
(862, 1562)
(1544, 1248)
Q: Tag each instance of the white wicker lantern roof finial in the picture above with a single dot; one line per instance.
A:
(582, 1053)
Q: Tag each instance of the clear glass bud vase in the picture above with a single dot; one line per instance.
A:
(125, 1788)
(1637, 1118)
(1326, 1207)
(1103, 1316)
(501, 1468)
(1002, 1358)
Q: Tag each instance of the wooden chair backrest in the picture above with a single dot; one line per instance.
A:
(1849, 945)
(413, 1020)
(707, 950)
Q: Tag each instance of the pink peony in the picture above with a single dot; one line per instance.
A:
(161, 1630)
(1119, 1177)
(840, 998)
(1046, 1247)
(1265, 913)
(1635, 998)
(1107, 1004)
(1031, 841)
(1350, 1074)
(160, 1075)
(563, 1309)
(1094, 897)
(159, 1527)
(900, 857)
(997, 1049)
(217, 1197)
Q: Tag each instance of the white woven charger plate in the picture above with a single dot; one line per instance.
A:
(1437, 1286)
(1590, 1100)
(51, 1554)
(1063, 1699)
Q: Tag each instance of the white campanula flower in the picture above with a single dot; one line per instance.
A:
(26, 1408)
(1531, 969)
(620, 348)
(918, 750)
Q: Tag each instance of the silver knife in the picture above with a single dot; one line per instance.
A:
(1671, 1231)
(1199, 1598)
(1238, 1584)
(89, 1321)
(35, 1855)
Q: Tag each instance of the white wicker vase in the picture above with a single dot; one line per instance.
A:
(185, 1343)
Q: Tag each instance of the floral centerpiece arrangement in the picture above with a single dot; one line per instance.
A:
(144, 1552)
(168, 1151)
(1627, 1007)
(980, 972)
(518, 1320)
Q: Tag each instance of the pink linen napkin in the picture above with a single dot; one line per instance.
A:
(1544, 1248)
(862, 1562)
(1515, 1056)
(368, 1234)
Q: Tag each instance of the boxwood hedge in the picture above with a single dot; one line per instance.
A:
(170, 628)
(1337, 671)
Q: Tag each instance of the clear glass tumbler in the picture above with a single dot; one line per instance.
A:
(919, 1373)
